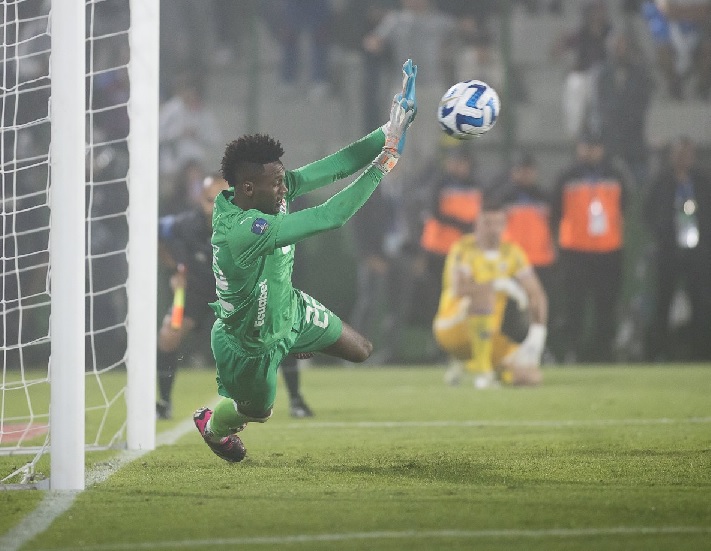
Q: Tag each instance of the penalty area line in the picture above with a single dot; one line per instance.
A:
(552, 533)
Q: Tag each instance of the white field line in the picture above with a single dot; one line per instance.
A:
(543, 533)
(57, 502)
(307, 424)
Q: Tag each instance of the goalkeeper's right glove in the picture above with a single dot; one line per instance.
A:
(402, 113)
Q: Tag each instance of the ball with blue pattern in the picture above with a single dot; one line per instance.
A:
(468, 109)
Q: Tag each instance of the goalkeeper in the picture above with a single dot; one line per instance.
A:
(185, 248)
(260, 316)
(481, 273)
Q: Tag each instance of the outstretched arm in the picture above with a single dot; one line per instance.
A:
(331, 214)
(334, 212)
(338, 165)
(357, 155)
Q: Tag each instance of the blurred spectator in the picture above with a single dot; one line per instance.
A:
(185, 250)
(185, 190)
(681, 30)
(528, 215)
(27, 68)
(357, 19)
(372, 225)
(678, 212)
(455, 205)
(289, 20)
(438, 212)
(588, 202)
(107, 267)
(587, 43)
(621, 103)
(534, 7)
(407, 280)
(477, 55)
(422, 32)
(110, 94)
(187, 131)
(529, 226)
(187, 39)
(232, 20)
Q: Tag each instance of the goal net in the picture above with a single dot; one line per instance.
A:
(78, 151)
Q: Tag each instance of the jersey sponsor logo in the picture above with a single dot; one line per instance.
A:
(259, 226)
(261, 304)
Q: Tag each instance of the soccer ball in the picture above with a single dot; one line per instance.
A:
(468, 109)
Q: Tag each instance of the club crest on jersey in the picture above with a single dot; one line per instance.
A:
(259, 226)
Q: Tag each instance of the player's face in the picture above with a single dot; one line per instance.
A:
(269, 189)
(490, 225)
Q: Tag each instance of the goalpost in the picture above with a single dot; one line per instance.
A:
(79, 158)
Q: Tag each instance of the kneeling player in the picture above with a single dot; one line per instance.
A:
(481, 273)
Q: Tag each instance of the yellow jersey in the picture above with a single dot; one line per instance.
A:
(484, 266)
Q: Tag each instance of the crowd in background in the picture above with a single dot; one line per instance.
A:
(659, 198)
(402, 235)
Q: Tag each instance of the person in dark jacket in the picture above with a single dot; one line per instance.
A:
(678, 214)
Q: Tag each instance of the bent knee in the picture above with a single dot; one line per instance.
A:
(363, 351)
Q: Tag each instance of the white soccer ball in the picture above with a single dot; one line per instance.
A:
(468, 109)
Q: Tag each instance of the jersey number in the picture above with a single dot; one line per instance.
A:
(315, 312)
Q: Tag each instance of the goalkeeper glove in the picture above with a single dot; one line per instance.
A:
(402, 113)
(530, 350)
(513, 290)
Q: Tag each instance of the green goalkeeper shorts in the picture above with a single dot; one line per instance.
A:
(250, 378)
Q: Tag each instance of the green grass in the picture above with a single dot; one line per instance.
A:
(596, 458)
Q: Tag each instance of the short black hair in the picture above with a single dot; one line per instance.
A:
(247, 155)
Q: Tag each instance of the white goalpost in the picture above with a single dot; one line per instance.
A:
(78, 205)
(66, 246)
(143, 222)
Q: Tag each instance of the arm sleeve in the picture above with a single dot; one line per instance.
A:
(336, 166)
(332, 213)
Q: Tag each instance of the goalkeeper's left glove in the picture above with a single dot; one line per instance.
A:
(513, 290)
(402, 113)
(530, 350)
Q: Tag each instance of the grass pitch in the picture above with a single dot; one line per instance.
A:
(596, 458)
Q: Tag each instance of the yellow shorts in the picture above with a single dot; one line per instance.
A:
(452, 335)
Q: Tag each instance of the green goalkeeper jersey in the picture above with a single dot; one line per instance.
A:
(253, 252)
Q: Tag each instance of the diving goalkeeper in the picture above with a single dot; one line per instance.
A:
(261, 317)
